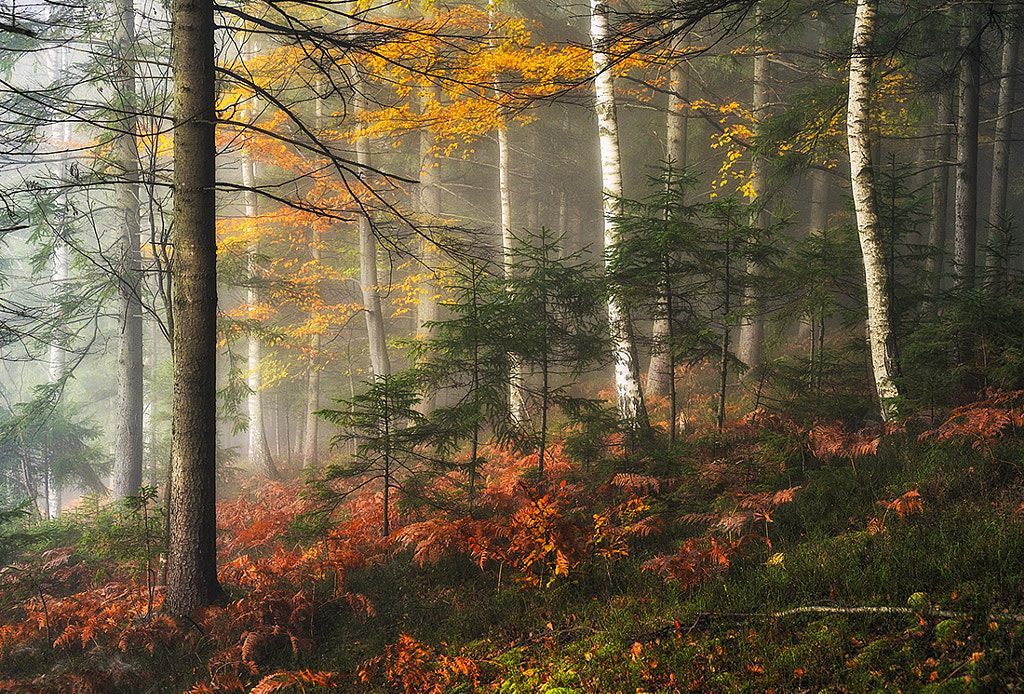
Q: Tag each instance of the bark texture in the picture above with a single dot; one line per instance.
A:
(938, 209)
(516, 400)
(192, 560)
(627, 379)
(862, 180)
(965, 232)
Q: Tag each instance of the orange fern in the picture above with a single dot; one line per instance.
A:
(984, 421)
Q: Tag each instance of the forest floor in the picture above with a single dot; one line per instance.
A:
(766, 557)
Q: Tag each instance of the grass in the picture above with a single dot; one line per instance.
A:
(846, 595)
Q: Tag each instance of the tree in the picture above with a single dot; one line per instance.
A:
(627, 372)
(965, 244)
(516, 385)
(554, 321)
(660, 371)
(880, 338)
(378, 420)
(126, 477)
(649, 264)
(259, 451)
(751, 342)
(470, 354)
(192, 558)
(998, 220)
(380, 362)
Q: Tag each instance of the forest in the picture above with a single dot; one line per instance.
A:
(511, 346)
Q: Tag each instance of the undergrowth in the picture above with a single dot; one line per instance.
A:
(766, 556)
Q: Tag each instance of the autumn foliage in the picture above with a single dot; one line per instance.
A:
(523, 534)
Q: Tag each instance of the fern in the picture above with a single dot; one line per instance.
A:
(286, 679)
(982, 422)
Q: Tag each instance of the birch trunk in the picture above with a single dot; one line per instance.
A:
(879, 326)
(627, 378)
(60, 274)
(126, 476)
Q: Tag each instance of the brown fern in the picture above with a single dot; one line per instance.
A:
(286, 679)
(980, 423)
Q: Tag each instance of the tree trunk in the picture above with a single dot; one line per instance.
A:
(192, 559)
(375, 332)
(997, 257)
(430, 210)
(516, 401)
(751, 338)
(879, 325)
(965, 200)
(126, 477)
(259, 450)
(939, 194)
(60, 274)
(966, 195)
(311, 430)
(660, 370)
(627, 378)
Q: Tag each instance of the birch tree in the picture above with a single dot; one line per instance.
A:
(516, 401)
(627, 379)
(862, 180)
(60, 131)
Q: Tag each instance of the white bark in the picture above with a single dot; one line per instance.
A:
(627, 381)
(311, 430)
(879, 328)
(430, 209)
(57, 60)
